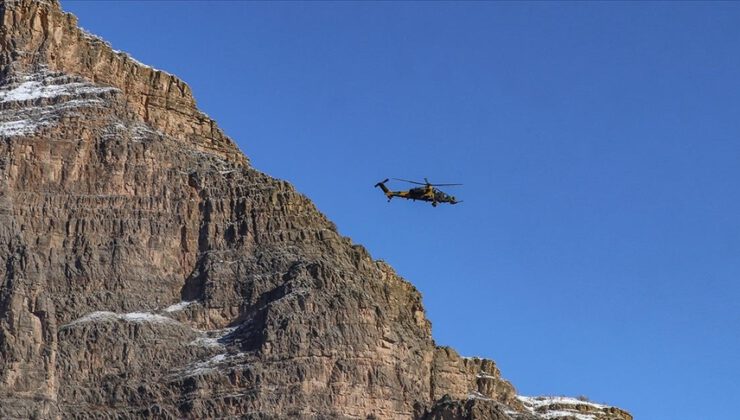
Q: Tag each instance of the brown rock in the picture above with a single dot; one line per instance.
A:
(147, 270)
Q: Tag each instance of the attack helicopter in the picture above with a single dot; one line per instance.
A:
(426, 193)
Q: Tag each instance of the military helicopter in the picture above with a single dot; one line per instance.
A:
(425, 193)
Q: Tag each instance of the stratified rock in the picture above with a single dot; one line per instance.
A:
(147, 270)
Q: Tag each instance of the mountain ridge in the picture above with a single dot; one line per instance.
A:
(150, 271)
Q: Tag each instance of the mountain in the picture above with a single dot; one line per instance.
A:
(148, 270)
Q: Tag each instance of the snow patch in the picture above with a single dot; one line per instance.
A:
(19, 127)
(206, 366)
(179, 306)
(511, 413)
(475, 395)
(38, 86)
(92, 36)
(537, 402)
(556, 414)
(210, 364)
(567, 407)
(24, 117)
(138, 317)
(135, 61)
(96, 316)
(483, 374)
(217, 359)
(146, 317)
(212, 338)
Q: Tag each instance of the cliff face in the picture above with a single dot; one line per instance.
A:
(147, 270)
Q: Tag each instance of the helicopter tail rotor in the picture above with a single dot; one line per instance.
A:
(385, 189)
(381, 183)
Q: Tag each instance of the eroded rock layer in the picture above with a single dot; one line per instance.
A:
(147, 270)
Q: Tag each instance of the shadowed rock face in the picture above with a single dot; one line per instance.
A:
(147, 270)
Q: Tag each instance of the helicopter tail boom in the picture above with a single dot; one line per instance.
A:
(388, 193)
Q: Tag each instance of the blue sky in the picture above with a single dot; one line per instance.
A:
(597, 251)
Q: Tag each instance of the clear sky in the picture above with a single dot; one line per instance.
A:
(597, 252)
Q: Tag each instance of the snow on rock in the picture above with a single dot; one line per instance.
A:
(19, 127)
(96, 39)
(217, 359)
(146, 317)
(179, 306)
(96, 316)
(29, 102)
(92, 36)
(206, 366)
(561, 407)
(45, 85)
(485, 375)
(475, 395)
(215, 362)
(537, 402)
(128, 56)
(38, 117)
(139, 317)
(214, 338)
(557, 414)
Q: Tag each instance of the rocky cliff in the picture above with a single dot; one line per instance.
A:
(147, 270)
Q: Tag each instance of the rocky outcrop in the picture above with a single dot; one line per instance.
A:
(570, 408)
(38, 33)
(147, 270)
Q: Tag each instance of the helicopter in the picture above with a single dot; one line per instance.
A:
(425, 193)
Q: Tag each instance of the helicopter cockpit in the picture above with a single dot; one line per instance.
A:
(443, 197)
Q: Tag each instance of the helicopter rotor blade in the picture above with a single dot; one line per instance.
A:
(410, 182)
(426, 183)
